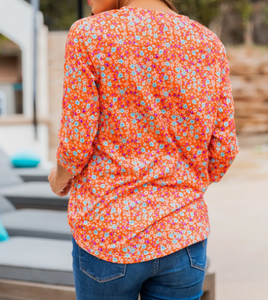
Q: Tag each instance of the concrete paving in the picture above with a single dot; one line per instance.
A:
(238, 212)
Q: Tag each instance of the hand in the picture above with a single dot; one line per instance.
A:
(59, 185)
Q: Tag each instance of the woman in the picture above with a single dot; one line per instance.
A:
(147, 125)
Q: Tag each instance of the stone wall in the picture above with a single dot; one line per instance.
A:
(249, 77)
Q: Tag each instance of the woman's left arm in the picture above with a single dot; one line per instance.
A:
(80, 106)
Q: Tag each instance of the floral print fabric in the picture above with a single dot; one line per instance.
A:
(147, 124)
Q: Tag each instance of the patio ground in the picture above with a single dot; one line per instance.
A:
(238, 212)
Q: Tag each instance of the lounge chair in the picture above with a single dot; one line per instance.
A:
(5, 205)
(34, 222)
(32, 174)
(27, 174)
(37, 260)
(29, 194)
(42, 269)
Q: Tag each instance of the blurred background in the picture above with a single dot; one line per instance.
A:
(30, 111)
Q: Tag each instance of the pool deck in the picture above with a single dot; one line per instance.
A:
(238, 212)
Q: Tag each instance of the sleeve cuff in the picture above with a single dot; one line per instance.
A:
(62, 159)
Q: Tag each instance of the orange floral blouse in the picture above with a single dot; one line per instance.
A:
(147, 124)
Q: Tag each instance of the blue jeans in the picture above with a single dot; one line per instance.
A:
(178, 276)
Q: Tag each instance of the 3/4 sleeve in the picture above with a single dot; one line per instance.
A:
(223, 146)
(80, 104)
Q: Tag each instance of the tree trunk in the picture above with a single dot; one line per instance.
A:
(217, 23)
(248, 33)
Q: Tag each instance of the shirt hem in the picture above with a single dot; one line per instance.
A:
(141, 258)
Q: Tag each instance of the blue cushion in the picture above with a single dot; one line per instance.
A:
(25, 159)
(3, 233)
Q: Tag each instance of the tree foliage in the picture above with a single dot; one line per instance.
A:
(61, 14)
(200, 10)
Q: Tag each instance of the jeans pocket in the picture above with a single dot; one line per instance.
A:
(198, 255)
(99, 269)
